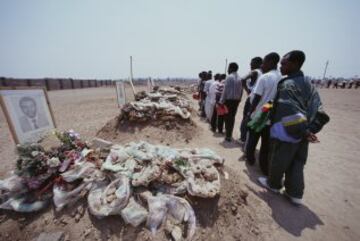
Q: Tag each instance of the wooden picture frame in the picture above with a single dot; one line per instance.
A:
(19, 135)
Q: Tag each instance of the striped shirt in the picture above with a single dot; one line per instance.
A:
(232, 88)
(219, 91)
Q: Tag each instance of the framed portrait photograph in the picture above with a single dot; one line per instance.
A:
(28, 113)
(120, 93)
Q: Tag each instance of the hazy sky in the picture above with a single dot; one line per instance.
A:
(94, 38)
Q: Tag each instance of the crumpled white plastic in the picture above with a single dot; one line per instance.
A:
(163, 205)
(12, 185)
(19, 204)
(164, 103)
(63, 197)
(134, 213)
(105, 200)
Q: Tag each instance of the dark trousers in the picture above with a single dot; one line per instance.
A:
(217, 121)
(251, 143)
(288, 159)
(245, 120)
(232, 106)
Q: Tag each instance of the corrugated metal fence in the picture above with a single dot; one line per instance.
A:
(55, 84)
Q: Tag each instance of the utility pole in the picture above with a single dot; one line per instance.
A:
(226, 63)
(131, 75)
(326, 66)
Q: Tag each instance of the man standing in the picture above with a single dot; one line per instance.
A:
(263, 92)
(209, 100)
(336, 83)
(231, 98)
(216, 89)
(357, 83)
(297, 116)
(329, 83)
(249, 83)
(202, 94)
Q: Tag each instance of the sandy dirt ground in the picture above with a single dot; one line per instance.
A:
(331, 208)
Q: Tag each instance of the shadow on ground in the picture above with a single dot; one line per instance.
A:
(230, 145)
(206, 210)
(292, 218)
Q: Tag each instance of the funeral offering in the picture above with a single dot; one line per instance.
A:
(166, 104)
(141, 182)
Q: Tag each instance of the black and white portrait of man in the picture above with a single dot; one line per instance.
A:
(31, 118)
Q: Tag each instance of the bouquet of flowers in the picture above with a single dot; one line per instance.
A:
(261, 118)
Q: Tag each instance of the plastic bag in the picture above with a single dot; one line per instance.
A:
(12, 185)
(166, 153)
(20, 205)
(202, 153)
(221, 110)
(141, 151)
(64, 197)
(117, 154)
(157, 210)
(79, 172)
(162, 206)
(105, 200)
(146, 175)
(203, 179)
(179, 188)
(119, 161)
(134, 213)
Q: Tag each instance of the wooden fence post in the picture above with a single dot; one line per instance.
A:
(61, 84)
(3, 81)
(47, 84)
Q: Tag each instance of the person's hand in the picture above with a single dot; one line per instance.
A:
(312, 138)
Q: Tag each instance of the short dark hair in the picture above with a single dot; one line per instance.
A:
(26, 99)
(273, 57)
(297, 56)
(217, 76)
(234, 66)
(223, 76)
(202, 75)
(257, 61)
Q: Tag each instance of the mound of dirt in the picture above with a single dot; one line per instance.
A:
(158, 132)
(226, 217)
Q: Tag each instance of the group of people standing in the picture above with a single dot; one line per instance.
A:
(291, 119)
(335, 84)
